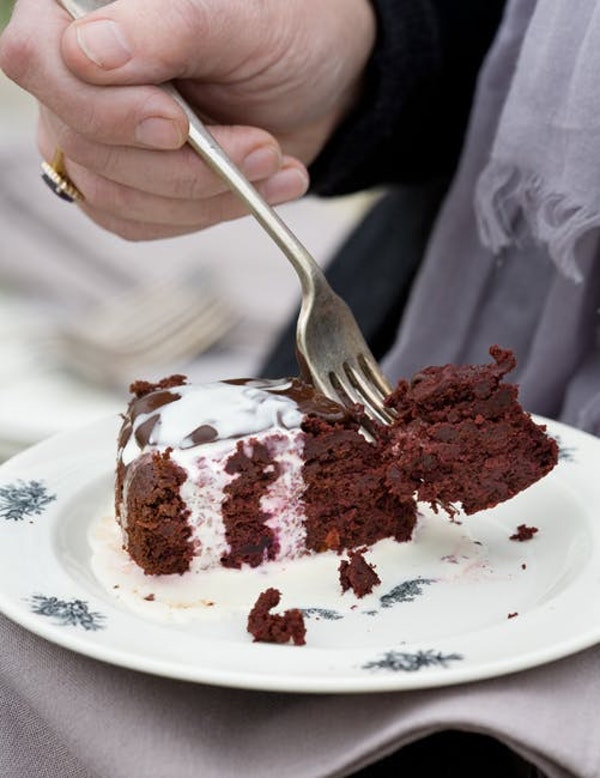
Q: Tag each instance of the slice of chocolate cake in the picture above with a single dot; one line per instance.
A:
(245, 472)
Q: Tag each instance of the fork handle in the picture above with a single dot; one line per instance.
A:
(203, 142)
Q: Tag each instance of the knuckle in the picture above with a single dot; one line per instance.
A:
(189, 181)
(91, 121)
(192, 18)
(17, 55)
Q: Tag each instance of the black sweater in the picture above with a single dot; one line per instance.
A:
(419, 87)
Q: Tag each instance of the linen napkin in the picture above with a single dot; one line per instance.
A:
(52, 252)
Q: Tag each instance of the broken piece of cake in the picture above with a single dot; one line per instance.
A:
(267, 627)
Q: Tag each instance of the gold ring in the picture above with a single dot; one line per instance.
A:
(55, 175)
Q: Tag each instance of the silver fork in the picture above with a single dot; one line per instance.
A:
(331, 350)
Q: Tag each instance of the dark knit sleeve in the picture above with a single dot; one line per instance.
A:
(419, 85)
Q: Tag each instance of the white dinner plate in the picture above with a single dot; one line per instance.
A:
(461, 602)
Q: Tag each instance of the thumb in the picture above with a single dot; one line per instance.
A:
(150, 41)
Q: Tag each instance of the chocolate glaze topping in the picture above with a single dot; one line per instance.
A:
(154, 397)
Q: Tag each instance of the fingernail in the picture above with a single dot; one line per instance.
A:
(104, 44)
(159, 133)
(262, 162)
(288, 184)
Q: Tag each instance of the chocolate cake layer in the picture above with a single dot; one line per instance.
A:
(245, 472)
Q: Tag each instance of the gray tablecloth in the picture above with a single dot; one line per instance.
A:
(63, 715)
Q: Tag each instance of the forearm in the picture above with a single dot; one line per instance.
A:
(410, 123)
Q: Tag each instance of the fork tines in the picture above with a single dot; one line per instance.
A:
(360, 383)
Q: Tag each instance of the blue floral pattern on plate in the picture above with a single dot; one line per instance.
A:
(406, 591)
(24, 498)
(72, 613)
(565, 453)
(411, 662)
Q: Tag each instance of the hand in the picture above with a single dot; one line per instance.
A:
(273, 78)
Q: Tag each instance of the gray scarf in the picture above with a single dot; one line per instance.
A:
(514, 257)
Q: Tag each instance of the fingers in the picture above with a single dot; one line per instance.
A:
(145, 194)
(134, 216)
(142, 116)
(131, 41)
(159, 218)
(179, 174)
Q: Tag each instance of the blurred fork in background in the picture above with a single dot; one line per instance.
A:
(155, 326)
(114, 312)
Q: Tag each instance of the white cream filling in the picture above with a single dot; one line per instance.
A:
(236, 412)
(203, 493)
